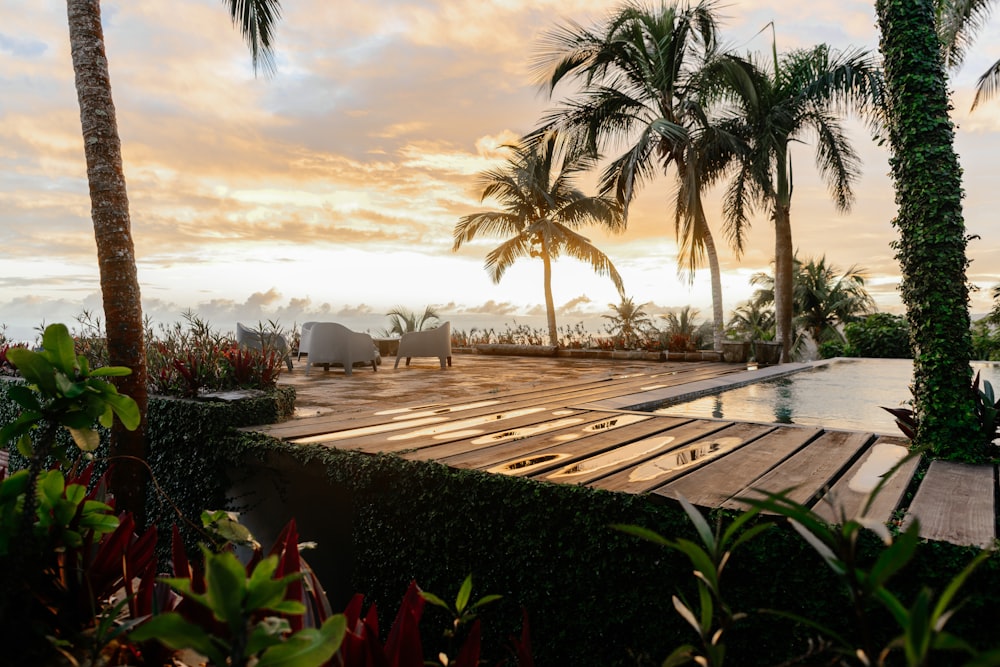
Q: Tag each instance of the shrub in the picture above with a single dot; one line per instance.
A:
(834, 348)
(880, 335)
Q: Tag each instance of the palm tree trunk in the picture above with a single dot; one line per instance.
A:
(115, 251)
(550, 307)
(718, 315)
(783, 278)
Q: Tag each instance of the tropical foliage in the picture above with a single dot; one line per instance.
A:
(958, 23)
(403, 321)
(627, 321)
(542, 211)
(646, 74)
(931, 247)
(802, 93)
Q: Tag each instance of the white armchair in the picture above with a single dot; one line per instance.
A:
(430, 343)
(257, 339)
(332, 343)
(305, 336)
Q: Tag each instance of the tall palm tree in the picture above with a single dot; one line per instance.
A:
(542, 209)
(958, 23)
(805, 92)
(110, 213)
(644, 72)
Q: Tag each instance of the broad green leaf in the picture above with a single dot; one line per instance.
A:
(111, 371)
(86, 439)
(24, 397)
(173, 631)
(67, 387)
(24, 446)
(51, 485)
(59, 344)
(309, 647)
(225, 583)
(15, 485)
(34, 368)
(226, 526)
(19, 427)
(125, 408)
(464, 593)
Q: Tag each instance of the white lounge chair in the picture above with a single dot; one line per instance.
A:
(430, 343)
(332, 343)
(305, 334)
(256, 339)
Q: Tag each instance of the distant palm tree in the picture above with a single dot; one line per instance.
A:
(403, 321)
(542, 209)
(628, 321)
(958, 22)
(645, 71)
(824, 298)
(112, 225)
(752, 320)
(804, 93)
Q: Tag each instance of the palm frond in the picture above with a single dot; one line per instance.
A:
(256, 21)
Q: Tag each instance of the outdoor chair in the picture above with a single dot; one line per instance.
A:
(304, 337)
(257, 339)
(331, 343)
(430, 343)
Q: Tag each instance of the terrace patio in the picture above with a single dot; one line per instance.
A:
(575, 421)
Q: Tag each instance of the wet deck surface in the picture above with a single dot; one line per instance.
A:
(575, 422)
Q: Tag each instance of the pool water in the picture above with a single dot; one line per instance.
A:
(845, 393)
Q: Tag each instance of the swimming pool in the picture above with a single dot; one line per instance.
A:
(842, 393)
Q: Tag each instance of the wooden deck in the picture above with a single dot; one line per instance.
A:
(585, 433)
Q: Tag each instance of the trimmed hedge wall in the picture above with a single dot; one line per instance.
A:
(186, 452)
(594, 596)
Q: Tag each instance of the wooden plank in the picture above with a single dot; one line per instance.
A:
(488, 450)
(655, 472)
(425, 435)
(543, 459)
(810, 469)
(846, 499)
(592, 468)
(720, 480)
(955, 503)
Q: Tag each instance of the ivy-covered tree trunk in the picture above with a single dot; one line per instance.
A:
(115, 251)
(932, 236)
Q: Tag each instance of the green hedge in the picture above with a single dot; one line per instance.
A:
(594, 595)
(186, 452)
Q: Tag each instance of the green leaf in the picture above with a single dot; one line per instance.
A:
(125, 408)
(434, 600)
(34, 368)
(486, 599)
(24, 397)
(24, 446)
(225, 582)
(309, 647)
(59, 344)
(111, 371)
(173, 631)
(265, 634)
(704, 530)
(643, 533)
(464, 593)
(682, 655)
(14, 486)
(86, 439)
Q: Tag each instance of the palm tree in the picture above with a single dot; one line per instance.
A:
(110, 213)
(644, 72)
(753, 320)
(823, 298)
(627, 321)
(542, 209)
(403, 321)
(804, 93)
(958, 22)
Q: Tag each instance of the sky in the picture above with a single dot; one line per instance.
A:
(330, 189)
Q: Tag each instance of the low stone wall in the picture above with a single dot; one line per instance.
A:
(590, 353)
